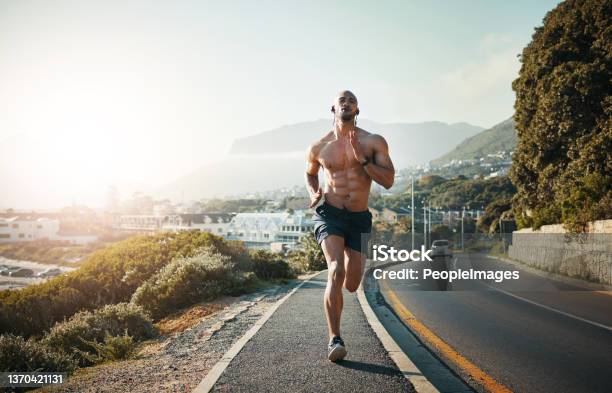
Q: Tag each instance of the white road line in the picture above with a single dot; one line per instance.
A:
(410, 371)
(608, 328)
(593, 323)
(215, 372)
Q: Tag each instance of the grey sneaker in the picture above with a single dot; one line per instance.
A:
(336, 349)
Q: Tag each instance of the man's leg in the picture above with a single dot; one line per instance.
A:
(333, 248)
(354, 264)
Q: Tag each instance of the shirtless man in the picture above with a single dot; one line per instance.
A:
(351, 158)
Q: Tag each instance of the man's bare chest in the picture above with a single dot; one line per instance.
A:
(339, 155)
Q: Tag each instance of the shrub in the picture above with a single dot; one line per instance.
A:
(112, 348)
(108, 276)
(18, 354)
(297, 262)
(267, 265)
(309, 258)
(186, 281)
(75, 335)
(313, 253)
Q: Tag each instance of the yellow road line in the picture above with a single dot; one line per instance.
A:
(451, 355)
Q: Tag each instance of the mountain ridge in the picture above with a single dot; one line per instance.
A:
(261, 162)
(501, 136)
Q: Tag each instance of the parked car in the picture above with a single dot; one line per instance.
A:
(22, 272)
(441, 248)
(50, 272)
(6, 270)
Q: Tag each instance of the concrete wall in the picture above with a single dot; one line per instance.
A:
(587, 256)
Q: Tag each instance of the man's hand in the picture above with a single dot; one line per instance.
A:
(315, 198)
(354, 140)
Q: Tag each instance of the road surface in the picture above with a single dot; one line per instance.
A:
(530, 335)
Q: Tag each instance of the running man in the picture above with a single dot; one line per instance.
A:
(351, 158)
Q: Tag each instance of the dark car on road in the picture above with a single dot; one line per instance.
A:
(22, 272)
(6, 270)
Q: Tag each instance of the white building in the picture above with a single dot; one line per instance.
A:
(215, 223)
(139, 222)
(18, 229)
(269, 230)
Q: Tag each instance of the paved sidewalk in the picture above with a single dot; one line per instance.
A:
(288, 353)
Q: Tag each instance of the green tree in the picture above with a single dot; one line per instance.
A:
(475, 193)
(562, 165)
(430, 181)
(489, 222)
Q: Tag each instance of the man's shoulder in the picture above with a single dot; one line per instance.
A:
(328, 137)
(371, 136)
(315, 147)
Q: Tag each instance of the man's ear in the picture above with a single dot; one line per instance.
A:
(333, 109)
(356, 113)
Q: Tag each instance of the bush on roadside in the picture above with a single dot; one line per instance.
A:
(297, 262)
(186, 281)
(309, 258)
(75, 335)
(112, 348)
(108, 276)
(481, 245)
(313, 253)
(498, 248)
(267, 265)
(18, 354)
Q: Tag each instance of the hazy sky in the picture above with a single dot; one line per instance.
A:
(111, 91)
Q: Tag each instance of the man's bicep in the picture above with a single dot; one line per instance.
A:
(312, 168)
(381, 153)
(312, 162)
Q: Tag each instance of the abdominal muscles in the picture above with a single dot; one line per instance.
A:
(348, 188)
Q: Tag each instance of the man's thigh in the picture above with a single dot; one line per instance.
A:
(354, 265)
(333, 249)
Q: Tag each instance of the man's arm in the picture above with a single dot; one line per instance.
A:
(381, 168)
(312, 176)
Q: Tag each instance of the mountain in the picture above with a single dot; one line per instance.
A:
(501, 136)
(276, 158)
(237, 174)
(409, 143)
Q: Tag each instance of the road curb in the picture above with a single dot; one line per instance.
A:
(410, 371)
(215, 372)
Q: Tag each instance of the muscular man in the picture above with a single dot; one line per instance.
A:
(351, 158)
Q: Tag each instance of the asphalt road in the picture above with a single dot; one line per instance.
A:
(289, 352)
(522, 343)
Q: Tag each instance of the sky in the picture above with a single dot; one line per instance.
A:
(94, 93)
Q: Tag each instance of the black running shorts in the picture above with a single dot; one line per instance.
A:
(354, 227)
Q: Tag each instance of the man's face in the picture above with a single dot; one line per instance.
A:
(345, 106)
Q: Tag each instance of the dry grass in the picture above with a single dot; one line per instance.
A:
(187, 318)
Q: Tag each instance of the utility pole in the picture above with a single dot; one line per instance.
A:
(462, 219)
(424, 225)
(412, 209)
(429, 220)
(501, 235)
